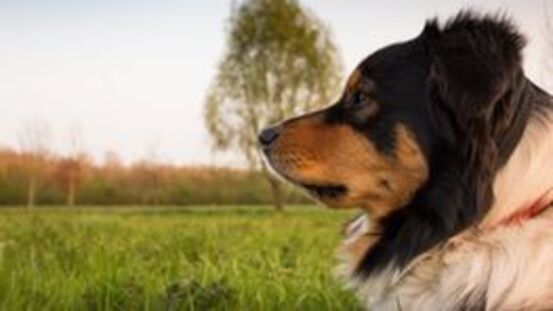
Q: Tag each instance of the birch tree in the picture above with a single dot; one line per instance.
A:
(280, 61)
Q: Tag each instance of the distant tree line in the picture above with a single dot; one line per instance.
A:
(28, 178)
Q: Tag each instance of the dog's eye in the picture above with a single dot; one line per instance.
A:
(359, 98)
(361, 108)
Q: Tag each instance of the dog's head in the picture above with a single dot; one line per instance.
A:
(361, 152)
(405, 108)
(418, 135)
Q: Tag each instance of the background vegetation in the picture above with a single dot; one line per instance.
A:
(60, 180)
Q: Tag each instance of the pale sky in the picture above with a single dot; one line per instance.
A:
(133, 74)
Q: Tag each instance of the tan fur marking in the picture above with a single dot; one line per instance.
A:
(354, 80)
(309, 151)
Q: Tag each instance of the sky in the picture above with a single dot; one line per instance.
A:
(131, 76)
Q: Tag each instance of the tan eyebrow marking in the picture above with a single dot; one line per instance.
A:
(354, 80)
(367, 85)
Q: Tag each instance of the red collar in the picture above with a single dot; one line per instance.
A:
(530, 211)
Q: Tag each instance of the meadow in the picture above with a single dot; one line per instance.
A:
(194, 258)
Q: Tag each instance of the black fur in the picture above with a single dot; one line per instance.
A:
(461, 89)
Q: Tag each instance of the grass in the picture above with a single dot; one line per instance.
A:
(170, 259)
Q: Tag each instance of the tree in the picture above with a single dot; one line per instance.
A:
(148, 174)
(71, 167)
(280, 61)
(34, 138)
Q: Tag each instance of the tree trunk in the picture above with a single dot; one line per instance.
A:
(276, 191)
(71, 193)
(31, 193)
(276, 187)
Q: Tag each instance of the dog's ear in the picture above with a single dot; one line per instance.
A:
(475, 80)
(474, 61)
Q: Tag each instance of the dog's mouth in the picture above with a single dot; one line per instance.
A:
(326, 191)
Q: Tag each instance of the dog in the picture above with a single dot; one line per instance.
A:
(447, 148)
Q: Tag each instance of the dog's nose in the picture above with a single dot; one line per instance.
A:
(269, 135)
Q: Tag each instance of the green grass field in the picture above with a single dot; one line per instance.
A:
(170, 259)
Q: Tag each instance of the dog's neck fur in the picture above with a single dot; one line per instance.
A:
(524, 186)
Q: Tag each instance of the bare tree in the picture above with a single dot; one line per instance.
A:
(149, 172)
(34, 139)
(71, 167)
(112, 161)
